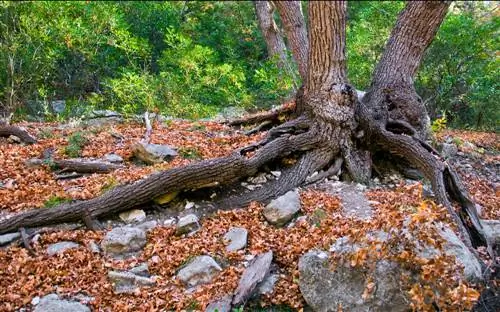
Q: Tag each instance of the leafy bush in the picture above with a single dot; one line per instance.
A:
(76, 142)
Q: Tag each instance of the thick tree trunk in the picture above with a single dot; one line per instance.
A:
(295, 29)
(274, 40)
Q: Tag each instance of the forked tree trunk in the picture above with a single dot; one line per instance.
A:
(274, 40)
(333, 125)
(295, 29)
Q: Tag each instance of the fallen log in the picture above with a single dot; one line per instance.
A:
(75, 165)
(22, 134)
(272, 115)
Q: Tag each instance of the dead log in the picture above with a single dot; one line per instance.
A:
(272, 115)
(75, 165)
(22, 134)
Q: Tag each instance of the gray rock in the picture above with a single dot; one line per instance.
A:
(267, 285)
(113, 158)
(282, 209)
(200, 270)
(61, 247)
(468, 146)
(325, 289)
(128, 282)
(252, 276)
(492, 231)
(122, 241)
(169, 222)
(220, 305)
(52, 303)
(141, 270)
(237, 238)
(148, 225)
(187, 224)
(8, 238)
(134, 215)
(153, 153)
(448, 150)
(258, 179)
(103, 113)
(94, 247)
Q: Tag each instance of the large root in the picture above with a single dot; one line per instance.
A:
(194, 176)
(23, 135)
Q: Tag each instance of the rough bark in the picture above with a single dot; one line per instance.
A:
(295, 29)
(23, 135)
(274, 40)
(76, 165)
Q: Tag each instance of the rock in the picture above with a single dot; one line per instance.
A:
(277, 174)
(282, 209)
(134, 215)
(455, 247)
(468, 146)
(252, 276)
(59, 106)
(169, 222)
(200, 270)
(267, 285)
(141, 270)
(35, 300)
(187, 224)
(113, 158)
(8, 238)
(492, 232)
(13, 139)
(103, 113)
(148, 225)
(128, 282)
(61, 247)
(94, 247)
(220, 305)
(189, 205)
(122, 241)
(52, 303)
(237, 238)
(153, 153)
(448, 150)
(325, 289)
(259, 179)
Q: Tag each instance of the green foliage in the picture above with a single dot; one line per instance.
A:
(189, 153)
(76, 142)
(55, 201)
(439, 124)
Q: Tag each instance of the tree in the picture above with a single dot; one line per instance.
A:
(334, 127)
(274, 41)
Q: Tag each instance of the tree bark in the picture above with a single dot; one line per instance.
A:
(274, 40)
(295, 29)
(23, 135)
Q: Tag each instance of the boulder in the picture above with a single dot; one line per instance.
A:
(449, 150)
(61, 247)
(237, 238)
(282, 209)
(200, 270)
(325, 289)
(147, 226)
(220, 305)
(252, 276)
(52, 303)
(134, 215)
(187, 224)
(492, 231)
(153, 153)
(122, 241)
(8, 238)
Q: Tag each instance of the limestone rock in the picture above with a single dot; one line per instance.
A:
(253, 275)
(237, 238)
(128, 282)
(61, 247)
(221, 305)
(282, 209)
(153, 153)
(147, 226)
(200, 270)
(325, 289)
(122, 241)
(449, 150)
(113, 158)
(52, 303)
(134, 215)
(8, 238)
(492, 231)
(187, 224)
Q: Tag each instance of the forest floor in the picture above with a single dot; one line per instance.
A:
(80, 271)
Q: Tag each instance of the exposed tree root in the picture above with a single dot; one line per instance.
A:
(273, 116)
(23, 135)
(76, 165)
(210, 172)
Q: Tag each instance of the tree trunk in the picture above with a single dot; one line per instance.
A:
(295, 29)
(274, 41)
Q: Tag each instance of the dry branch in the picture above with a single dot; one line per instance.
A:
(22, 134)
(76, 165)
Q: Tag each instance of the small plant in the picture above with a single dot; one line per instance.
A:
(55, 201)
(439, 124)
(196, 126)
(110, 184)
(189, 153)
(457, 141)
(76, 142)
(46, 134)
